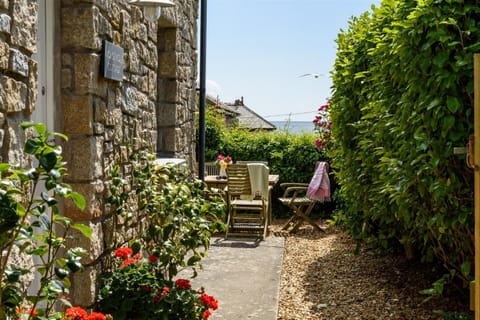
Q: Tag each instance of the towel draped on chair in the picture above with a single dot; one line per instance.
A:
(258, 173)
(319, 187)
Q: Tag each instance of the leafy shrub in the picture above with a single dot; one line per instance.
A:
(402, 101)
(180, 217)
(291, 156)
(136, 289)
(31, 223)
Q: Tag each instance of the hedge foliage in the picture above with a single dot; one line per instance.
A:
(402, 100)
(291, 156)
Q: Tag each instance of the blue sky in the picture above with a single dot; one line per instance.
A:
(258, 49)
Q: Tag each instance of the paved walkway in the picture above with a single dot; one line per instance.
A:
(244, 275)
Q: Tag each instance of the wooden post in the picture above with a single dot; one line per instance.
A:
(476, 158)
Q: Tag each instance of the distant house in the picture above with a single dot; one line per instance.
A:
(248, 118)
(230, 116)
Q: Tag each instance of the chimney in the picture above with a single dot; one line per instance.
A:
(238, 102)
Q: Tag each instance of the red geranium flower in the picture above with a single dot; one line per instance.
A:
(128, 261)
(75, 313)
(206, 314)
(96, 316)
(209, 301)
(33, 313)
(123, 253)
(153, 259)
(183, 284)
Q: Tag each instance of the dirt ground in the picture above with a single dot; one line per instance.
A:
(325, 276)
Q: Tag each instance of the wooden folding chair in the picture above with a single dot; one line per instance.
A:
(247, 213)
(295, 197)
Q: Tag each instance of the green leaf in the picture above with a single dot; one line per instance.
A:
(31, 146)
(435, 102)
(61, 273)
(78, 199)
(447, 123)
(453, 104)
(48, 161)
(84, 229)
(4, 167)
(193, 260)
(465, 268)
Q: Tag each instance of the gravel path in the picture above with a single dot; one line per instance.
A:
(326, 276)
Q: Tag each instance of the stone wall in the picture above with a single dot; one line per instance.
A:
(106, 121)
(18, 74)
(177, 45)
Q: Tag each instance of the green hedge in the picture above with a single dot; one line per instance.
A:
(403, 99)
(291, 156)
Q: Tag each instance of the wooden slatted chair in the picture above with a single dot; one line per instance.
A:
(295, 197)
(247, 213)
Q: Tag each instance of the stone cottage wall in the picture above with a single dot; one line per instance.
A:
(18, 87)
(18, 74)
(177, 45)
(108, 121)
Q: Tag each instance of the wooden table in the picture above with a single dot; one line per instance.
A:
(213, 182)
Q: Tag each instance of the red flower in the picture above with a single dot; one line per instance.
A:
(33, 313)
(206, 314)
(209, 301)
(123, 253)
(183, 284)
(161, 294)
(75, 313)
(153, 259)
(146, 288)
(127, 262)
(96, 316)
(138, 256)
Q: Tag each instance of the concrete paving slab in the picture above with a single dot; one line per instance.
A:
(243, 274)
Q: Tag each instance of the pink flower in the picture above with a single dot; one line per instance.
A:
(319, 143)
(220, 157)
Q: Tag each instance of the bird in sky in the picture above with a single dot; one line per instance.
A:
(315, 75)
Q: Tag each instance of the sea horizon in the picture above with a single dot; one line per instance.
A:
(295, 127)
